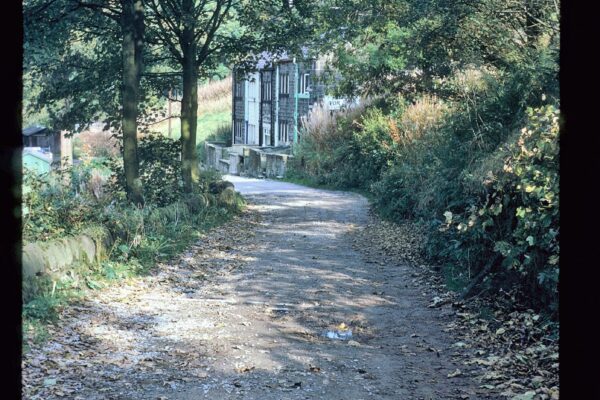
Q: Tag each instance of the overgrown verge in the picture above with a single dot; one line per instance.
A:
(510, 349)
(476, 168)
(60, 207)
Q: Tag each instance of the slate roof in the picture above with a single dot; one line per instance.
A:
(266, 58)
(35, 130)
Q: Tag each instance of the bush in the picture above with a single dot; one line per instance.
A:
(450, 164)
(417, 176)
(346, 150)
(319, 127)
(58, 203)
(355, 148)
(160, 170)
(425, 114)
(516, 219)
(90, 144)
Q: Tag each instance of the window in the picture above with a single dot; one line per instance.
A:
(304, 82)
(283, 132)
(238, 88)
(252, 89)
(266, 91)
(267, 134)
(284, 84)
(251, 134)
(238, 131)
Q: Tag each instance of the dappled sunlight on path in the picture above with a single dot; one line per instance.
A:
(243, 315)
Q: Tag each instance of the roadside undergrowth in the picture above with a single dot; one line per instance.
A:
(481, 180)
(126, 260)
(511, 349)
(63, 204)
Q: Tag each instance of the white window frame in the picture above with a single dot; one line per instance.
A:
(251, 133)
(238, 130)
(304, 83)
(251, 89)
(267, 135)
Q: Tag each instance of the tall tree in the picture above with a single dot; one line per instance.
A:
(71, 62)
(132, 28)
(201, 34)
(77, 54)
(377, 44)
(187, 29)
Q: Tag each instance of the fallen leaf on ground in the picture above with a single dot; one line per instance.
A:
(455, 373)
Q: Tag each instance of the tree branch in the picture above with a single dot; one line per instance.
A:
(216, 24)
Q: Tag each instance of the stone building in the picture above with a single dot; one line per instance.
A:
(270, 102)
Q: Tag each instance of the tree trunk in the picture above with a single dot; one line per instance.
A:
(132, 27)
(189, 105)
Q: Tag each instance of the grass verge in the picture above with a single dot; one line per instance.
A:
(162, 242)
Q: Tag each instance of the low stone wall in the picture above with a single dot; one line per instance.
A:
(214, 153)
(247, 160)
(236, 163)
(255, 163)
(276, 164)
(53, 257)
(223, 166)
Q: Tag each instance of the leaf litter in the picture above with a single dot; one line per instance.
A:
(512, 354)
(99, 340)
(515, 352)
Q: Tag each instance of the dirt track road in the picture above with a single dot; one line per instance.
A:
(245, 314)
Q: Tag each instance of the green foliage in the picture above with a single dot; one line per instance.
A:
(460, 168)
(141, 235)
(440, 168)
(222, 134)
(71, 71)
(384, 47)
(160, 170)
(371, 149)
(145, 235)
(519, 216)
(57, 203)
(350, 153)
(43, 308)
(39, 217)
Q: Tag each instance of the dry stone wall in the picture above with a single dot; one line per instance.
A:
(53, 257)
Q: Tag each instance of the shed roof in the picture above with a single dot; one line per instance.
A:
(35, 130)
